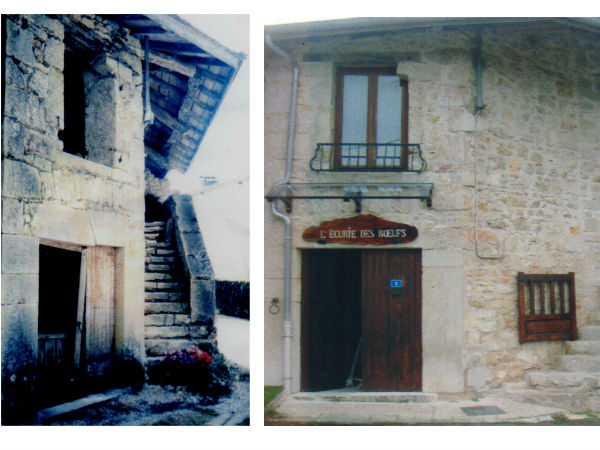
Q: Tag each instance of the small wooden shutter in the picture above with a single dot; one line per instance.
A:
(546, 307)
(100, 308)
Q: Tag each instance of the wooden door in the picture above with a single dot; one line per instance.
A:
(100, 308)
(330, 321)
(391, 291)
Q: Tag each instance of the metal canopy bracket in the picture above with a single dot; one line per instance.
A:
(356, 192)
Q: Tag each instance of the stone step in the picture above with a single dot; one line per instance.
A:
(343, 395)
(573, 401)
(165, 251)
(166, 308)
(582, 347)
(156, 223)
(579, 363)
(589, 332)
(151, 236)
(160, 276)
(160, 347)
(159, 296)
(163, 286)
(163, 259)
(159, 268)
(563, 380)
(170, 332)
(161, 320)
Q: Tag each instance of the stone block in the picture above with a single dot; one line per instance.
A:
(19, 336)
(443, 258)
(63, 224)
(20, 289)
(54, 104)
(443, 330)
(202, 300)
(54, 54)
(19, 43)
(478, 377)
(13, 139)
(14, 75)
(20, 254)
(110, 229)
(12, 216)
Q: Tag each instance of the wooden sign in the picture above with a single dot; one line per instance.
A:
(364, 229)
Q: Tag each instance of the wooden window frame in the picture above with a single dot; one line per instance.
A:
(372, 73)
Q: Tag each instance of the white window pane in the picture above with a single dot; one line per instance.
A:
(389, 109)
(354, 119)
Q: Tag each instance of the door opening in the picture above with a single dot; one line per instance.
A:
(58, 299)
(361, 320)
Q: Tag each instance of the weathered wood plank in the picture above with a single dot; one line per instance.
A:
(100, 304)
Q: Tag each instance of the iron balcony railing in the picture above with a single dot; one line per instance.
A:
(361, 157)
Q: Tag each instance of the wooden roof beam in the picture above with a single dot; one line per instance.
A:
(182, 28)
(171, 64)
(167, 118)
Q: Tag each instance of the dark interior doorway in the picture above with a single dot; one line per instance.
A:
(58, 299)
(361, 320)
(331, 317)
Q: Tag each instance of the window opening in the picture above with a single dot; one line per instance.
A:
(371, 121)
(73, 132)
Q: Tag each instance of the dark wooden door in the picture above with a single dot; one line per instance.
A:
(391, 291)
(331, 304)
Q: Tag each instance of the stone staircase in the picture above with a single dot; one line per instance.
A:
(167, 306)
(574, 384)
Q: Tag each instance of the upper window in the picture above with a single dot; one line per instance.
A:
(90, 101)
(371, 121)
(73, 134)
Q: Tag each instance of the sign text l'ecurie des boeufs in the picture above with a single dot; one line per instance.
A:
(363, 229)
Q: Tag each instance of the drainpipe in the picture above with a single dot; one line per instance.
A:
(148, 115)
(287, 239)
(479, 106)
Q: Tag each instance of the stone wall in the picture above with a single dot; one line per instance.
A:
(516, 185)
(55, 198)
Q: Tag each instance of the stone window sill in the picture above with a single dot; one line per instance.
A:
(74, 162)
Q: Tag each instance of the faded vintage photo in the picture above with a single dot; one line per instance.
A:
(432, 221)
(125, 225)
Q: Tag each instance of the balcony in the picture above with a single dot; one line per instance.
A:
(362, 157)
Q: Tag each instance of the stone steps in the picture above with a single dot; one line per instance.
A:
(167, 322)
(563, 379)
(575, 382)
(589, 332)
(579, 363)
(582, 347)
(572, 401)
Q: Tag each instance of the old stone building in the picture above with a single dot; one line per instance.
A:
(432, 221)
(99, 264)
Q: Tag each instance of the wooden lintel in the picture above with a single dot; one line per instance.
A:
(171, 64)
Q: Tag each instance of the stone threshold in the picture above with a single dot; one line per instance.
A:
(55, 411)
(353, 395)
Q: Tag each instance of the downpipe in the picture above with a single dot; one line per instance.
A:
(287, 238)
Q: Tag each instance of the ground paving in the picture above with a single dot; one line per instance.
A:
(485, 411)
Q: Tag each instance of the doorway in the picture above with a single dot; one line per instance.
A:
(361, 320)
(58, 297)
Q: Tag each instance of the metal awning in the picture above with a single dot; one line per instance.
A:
(356, 192)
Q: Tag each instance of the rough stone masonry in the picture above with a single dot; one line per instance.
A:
(517, 185)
